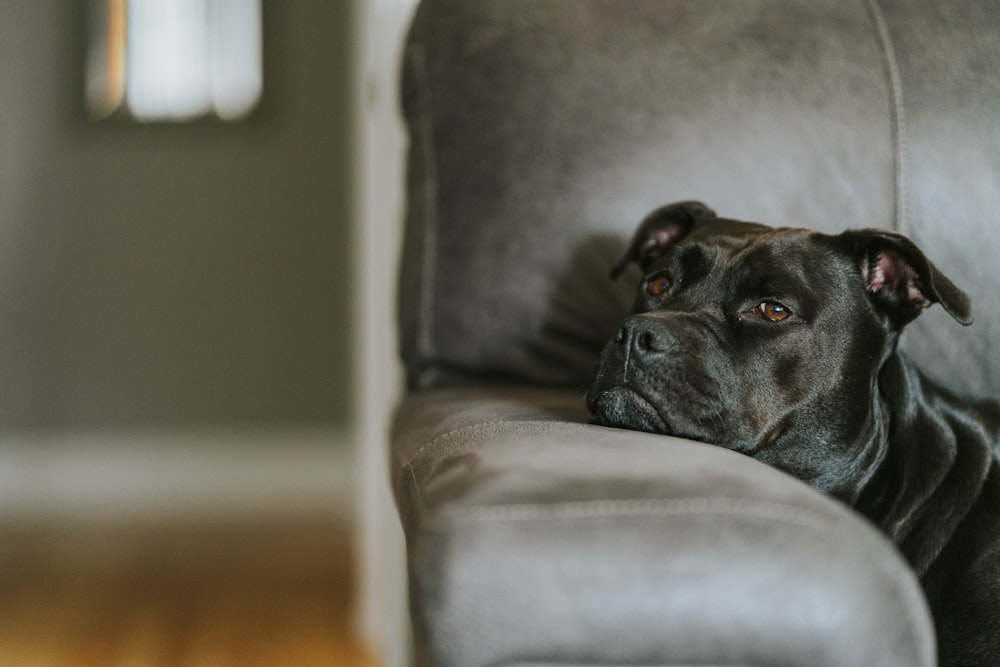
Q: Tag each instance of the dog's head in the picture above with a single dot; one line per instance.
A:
(767, 341)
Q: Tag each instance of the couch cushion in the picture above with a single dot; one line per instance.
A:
(949, 67)
(543, 131)
(535, 538)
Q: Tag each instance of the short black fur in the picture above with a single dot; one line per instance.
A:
(781, 344)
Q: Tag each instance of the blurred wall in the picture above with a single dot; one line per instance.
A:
(174, 275)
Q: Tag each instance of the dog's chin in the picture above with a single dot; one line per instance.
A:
(623, 408)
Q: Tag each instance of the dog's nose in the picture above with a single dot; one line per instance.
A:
(646, 335)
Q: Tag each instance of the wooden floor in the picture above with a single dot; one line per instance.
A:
(208, 597)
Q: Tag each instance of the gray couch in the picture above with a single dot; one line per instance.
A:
(541, 132)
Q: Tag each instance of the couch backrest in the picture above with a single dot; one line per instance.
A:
(543, 131)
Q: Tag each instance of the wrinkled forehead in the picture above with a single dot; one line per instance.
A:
(784, 258)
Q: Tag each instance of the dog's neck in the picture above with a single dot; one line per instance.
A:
(935, 464)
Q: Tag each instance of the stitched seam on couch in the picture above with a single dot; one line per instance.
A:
(901, 150)
(450, 435)
(686, 663)
(408, 466)
(617, 508)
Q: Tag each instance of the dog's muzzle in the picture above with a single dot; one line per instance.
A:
(640, 344)
(623, 408)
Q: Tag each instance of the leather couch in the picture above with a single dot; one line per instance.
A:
(541, 132)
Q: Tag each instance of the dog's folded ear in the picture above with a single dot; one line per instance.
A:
(901, 280)
(659, 230)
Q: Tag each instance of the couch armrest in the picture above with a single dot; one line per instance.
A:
(535, 538)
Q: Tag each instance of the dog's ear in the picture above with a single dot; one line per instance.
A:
(901, 280)
(659, 230)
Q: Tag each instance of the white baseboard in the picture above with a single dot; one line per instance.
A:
(206, 475)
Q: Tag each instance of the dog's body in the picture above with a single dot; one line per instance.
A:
(781, 344)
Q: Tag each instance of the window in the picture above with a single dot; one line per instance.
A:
(174, 60)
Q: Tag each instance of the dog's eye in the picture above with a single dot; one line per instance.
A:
(659, 285)
(772, 311)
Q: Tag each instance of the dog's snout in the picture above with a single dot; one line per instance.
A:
(646, 335)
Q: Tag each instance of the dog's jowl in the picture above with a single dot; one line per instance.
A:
(781, 343)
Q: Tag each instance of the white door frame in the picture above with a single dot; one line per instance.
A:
(379, 147)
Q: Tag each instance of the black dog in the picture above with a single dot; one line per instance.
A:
(781, 344)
